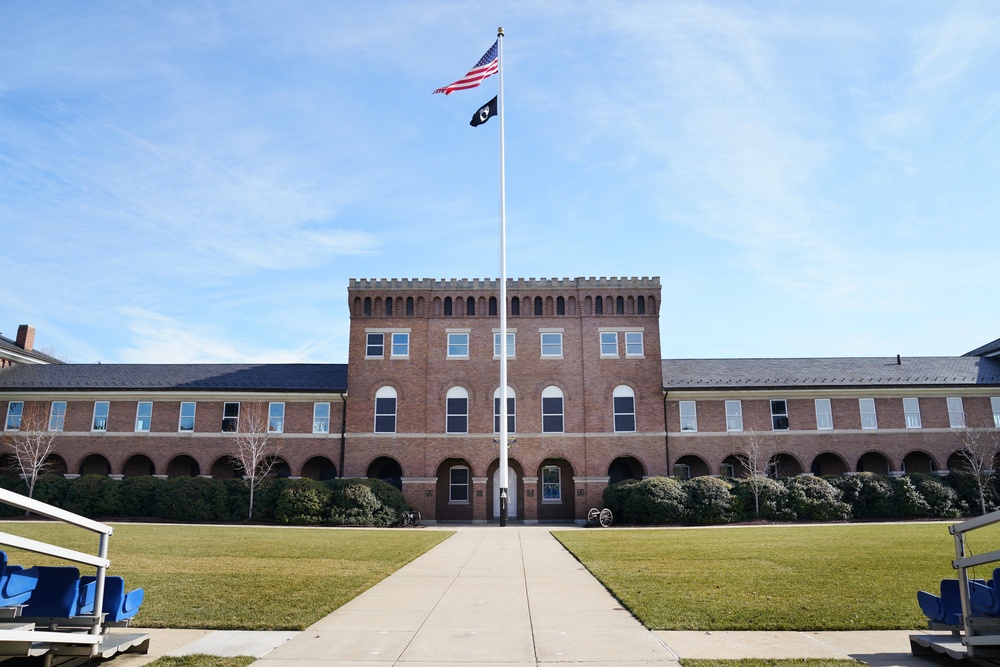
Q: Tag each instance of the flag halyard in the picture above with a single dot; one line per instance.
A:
(486, 66)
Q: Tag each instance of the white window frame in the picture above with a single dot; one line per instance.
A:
(236, 417)
(20, 416)
(779, 415)
(375, 345)
(824, 414)
(911, 412)
(94, 425)
(623, 391)
(511, 340)
(634, 345)
(386, 393)
(400, 345)
(609, 344)
(956, 412)
(276, 417)
(57, 418)
(452, 486)
(688, 411)
(551, 490)
(551, 392)
(456, 393)
(181, 417)
(872, 414)
(727, 471)
(682, 471)
(139, 416)
(734, 416)
(458, 345)
(321, 422)
(995, 405)
(553, 348)
(511, 411)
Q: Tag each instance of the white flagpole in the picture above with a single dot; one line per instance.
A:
(503, 295)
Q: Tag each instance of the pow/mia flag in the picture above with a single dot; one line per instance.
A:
(484, 113)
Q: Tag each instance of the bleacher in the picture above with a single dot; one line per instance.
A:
(54, 612)
(969, 609)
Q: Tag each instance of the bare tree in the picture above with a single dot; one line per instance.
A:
(254, 452)
(980, 446)
(31, 443)
(755, 456)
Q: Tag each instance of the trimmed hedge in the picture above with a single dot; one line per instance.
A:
(355, 502)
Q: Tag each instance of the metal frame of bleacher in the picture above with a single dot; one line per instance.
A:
(64, 642)
(977, 637)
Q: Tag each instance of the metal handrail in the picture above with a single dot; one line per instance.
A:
(962, 563)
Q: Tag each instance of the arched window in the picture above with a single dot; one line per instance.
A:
(538, 305)
(470, 306)
(457, 401)
(515, 306)
(641, 305)
(598, 306)
(620, 306)
(447, 306)
(388, 307)
(511, 405)
(385, 410)
(552, 410)
(560, 306)
(493, 306)
(624, 407)
(368, 306)
(409, 306)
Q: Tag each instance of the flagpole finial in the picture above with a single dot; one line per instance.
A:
(500, 31)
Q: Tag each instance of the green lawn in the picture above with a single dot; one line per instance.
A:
(822, 577)
(231, 577)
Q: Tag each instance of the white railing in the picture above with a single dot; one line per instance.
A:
(973, 637)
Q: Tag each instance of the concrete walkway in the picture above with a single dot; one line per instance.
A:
(513, 597)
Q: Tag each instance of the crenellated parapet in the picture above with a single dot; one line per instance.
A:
(492, 284)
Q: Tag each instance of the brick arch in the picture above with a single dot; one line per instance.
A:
(122, 460)
(870, 455)
(788, 455)
(448, 383)
(617, 382)
(384, 382)
(536, 392)
(454, 456)
(934, 466)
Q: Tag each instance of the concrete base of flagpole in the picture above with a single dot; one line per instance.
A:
(503, 507)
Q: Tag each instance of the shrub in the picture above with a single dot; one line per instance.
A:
(364, 502)
(942, 501)
(187, 499)
(655, 500)
(138, 495)
(814, 499)
(305, 502)
(52, 489)
(772, 497)
(708, 501)
(965, 486)
(909, 501)
(617, 494)
(870, 496)
(390, 497)
(94, 496)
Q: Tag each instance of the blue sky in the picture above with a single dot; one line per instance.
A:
(197, 181)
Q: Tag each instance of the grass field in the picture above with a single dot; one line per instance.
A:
(230, 577)
(822, 577)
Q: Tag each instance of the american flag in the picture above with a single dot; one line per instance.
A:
(487, 65)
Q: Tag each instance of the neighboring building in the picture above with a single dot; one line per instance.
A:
(591, 402)
(21, 349)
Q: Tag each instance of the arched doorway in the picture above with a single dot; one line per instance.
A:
(556, 491)
(183, 466)
(454, 490)
(319, 468)
(828, 463)
(512, 493)
(138, 465)
(875, 462)
(225, 467)
(9, 466)
(276, 467)
(55, 465)
(958, 462)
(625, 467)
(95, 464)
(690, 466)
(388, 470)
(784, 465)
(918, 462)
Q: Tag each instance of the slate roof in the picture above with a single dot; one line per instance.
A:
(176, 377)
(12, 346)
(987, 350)
(829, 372)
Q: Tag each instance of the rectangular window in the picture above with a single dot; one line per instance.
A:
(511, 422)
(633, 344)
(321, 417)
(689, 416)
(186, 421)
(276, 418)
(779, 415)
(57, 416)
(609, 344)
(143, 416)
(552, 414)
(230, 417)
(727, 471)
(510, 345)
(911, 410)
(101, 410)
(551, 484)
(375, 346)
(734, 415)
(995, 404)
(682, 471)
(400, 344)
(552, 345)
(824, 415)
(624, 408)
(458, 346)
(956, 412)
(458, 415)
(458, 485)
(15, 410)
(385, 412)
(868, 418)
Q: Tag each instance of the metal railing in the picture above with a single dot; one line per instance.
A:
(973, 636)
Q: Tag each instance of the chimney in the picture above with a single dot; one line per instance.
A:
(26, 337)
(899, 360)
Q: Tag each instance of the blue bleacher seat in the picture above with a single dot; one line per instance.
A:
(118, 605)
(15, 587)
(57, 593)
(947, 608)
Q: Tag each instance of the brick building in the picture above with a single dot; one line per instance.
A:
(590, 401)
